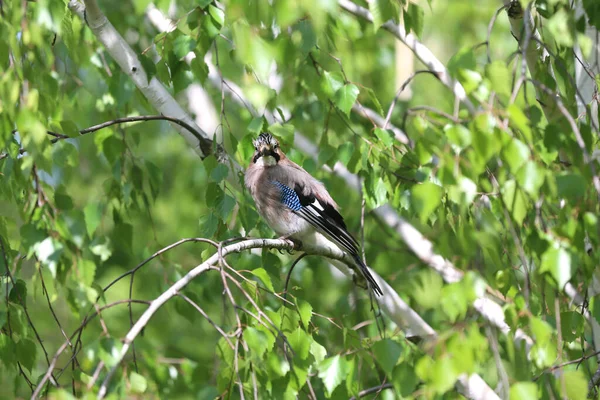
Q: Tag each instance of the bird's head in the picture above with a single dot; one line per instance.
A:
(266, 150)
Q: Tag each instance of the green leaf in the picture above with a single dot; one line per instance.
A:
(458, 135)
(209, 223)
(141, 5)
(225, 206)
(86, 271)
(319, 352)
(375, 190)
(199, 69)
(562, 28)
(182, 45)
(443, 374)
(69, 128)
(219, 173)
(405, 380)
(516, 153)
(26, 353)
(284, 132)
(101, 247)
(531, 178)
(332, 371)
(425, 198)
(331, 82)
(515, 201)
(385, 136)
(203, 3)
(262, 274)
(305, 310)
(217, 14)
(576, 385)
(137, 383)
(500, 77)
(110, 351)
(383, 10)
(345, 152)
(413, 19)
(387, 352)
(48, 253)
(255, 126)
(375, 100)
(258, 341)
(518, 118)
(524, 391)
(571, 186)
(464, 59)
(18, 293)
(300, 342)
(463, 192)
(92, 215)
(345, 97)
(558, 263)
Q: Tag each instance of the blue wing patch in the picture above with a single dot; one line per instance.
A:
(288, 196)
(325, 218)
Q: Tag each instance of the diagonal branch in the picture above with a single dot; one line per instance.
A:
(403, 313)
(153, 90)
(421, 51)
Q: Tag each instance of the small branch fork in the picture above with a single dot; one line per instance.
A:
(61, 136)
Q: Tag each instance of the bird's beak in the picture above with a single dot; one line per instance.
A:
(266, 150)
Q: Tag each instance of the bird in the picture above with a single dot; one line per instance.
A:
(297, 206)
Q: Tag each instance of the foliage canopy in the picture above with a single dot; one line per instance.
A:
(493, 159)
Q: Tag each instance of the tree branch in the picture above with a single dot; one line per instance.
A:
(196, 133)
(397, 310)
(127, 59)
(421, 51)
(489, 309)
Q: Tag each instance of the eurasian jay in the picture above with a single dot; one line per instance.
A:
(296, 205)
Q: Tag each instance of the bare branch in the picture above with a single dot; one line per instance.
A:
(390, 297)
(127, 59)
(421, 51)
(397, 96)
(65, 344)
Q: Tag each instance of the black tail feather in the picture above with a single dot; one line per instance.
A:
(368, 277)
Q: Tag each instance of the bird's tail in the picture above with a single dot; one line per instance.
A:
(368, 277)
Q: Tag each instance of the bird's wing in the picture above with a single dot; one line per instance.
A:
(319, 213)
(326, 219)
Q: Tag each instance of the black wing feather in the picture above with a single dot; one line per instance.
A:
(327, 219)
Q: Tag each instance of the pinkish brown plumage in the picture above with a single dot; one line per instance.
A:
(296, 205)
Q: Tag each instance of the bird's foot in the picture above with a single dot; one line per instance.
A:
(297, 243)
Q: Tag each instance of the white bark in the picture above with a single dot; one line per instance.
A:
(591, 66)
(380, 122)
(419, 49)
(127, 59)
(472, 386)
(535, 54)
(395, 308)
(164, 102)
(422, 247)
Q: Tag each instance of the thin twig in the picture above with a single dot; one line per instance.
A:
(376, 389)
(402, 87)
(65, 344)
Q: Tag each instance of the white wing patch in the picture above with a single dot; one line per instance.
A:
(317, 205)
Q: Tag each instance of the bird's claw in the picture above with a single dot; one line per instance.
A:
(296, 242)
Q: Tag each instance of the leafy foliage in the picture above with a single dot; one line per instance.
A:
(508, 194)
